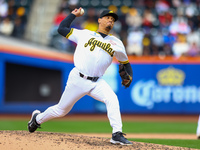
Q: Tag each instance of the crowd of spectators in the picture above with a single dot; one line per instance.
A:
(13, 17)
(146, 27)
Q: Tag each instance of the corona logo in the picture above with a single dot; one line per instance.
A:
(171, 76)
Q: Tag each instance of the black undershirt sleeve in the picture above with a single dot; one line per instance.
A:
(64, 27)
(129, 69)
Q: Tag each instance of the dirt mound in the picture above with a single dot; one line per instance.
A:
(23, 140)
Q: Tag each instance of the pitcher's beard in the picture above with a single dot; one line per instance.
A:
(108, 27)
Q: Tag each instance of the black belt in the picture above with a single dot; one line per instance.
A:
(94, 79)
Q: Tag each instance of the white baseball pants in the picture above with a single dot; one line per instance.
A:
(76, 88)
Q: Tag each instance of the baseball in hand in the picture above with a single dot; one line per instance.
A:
(82, 11)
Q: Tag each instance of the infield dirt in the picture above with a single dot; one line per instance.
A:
(23, 140)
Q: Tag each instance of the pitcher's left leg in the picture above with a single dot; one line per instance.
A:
(105, 94)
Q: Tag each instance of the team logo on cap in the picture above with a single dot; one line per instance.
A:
(111, 11)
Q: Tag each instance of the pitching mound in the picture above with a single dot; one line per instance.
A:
(23, 140)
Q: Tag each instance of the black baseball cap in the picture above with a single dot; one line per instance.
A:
(108, 12)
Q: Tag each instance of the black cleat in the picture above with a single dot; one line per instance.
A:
(198, 137)
(32, 124)
(118, 138)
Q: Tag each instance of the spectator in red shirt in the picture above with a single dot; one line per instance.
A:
(59, 17)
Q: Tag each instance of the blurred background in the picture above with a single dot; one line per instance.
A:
(146, 27)
(162, 37)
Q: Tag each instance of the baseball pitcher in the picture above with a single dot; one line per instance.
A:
(93, 55)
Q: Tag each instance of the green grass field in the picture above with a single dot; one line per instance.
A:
(104, 127)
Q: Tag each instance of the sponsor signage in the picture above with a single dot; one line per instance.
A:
(157, 88)
(164, 89)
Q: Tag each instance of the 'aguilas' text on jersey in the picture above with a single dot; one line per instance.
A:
(105, 46)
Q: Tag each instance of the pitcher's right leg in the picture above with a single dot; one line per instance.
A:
(76, 88)
(69, 97)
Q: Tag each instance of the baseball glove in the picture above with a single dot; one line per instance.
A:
(126, 78)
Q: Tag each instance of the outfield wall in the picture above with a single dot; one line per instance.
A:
(34, 79)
